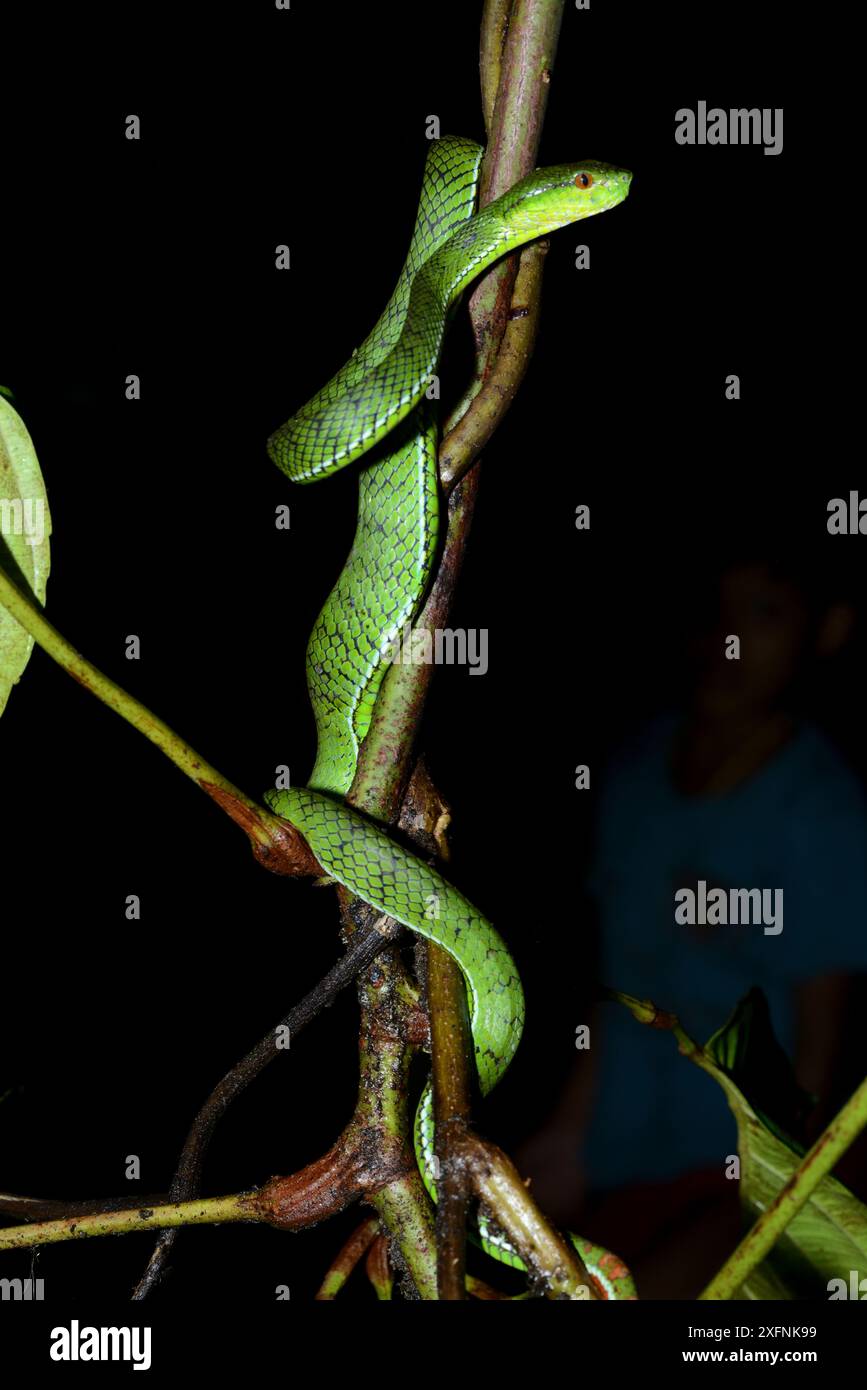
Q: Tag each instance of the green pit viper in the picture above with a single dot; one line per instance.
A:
(382, 391)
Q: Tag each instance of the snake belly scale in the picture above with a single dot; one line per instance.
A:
(380, 393)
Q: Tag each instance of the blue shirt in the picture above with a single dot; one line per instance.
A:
(800, 824)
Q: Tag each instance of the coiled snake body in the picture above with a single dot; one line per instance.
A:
(379, 392)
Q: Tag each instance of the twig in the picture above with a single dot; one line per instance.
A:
(543, 1250)
(477, 1288)
(210, 1211)
(495, 26)
(522, 71)
(362, 949)
(513, 143)
(277, 845)
(451, 1059)
(821, 1158)
(464, 442)
(517, 50)
(347, 1258)
(378, 1269)
(55, 1209)
(384, 760)
(87, 1217)
(373, 1158)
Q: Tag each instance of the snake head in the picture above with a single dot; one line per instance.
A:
(554, 197)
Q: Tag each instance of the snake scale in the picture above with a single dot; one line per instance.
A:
(380, 395)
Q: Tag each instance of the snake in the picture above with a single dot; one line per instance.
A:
(378, 407)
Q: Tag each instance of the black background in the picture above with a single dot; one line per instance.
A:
(157, 258)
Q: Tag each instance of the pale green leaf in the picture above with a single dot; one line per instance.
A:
(25, 526)
(827, 1239)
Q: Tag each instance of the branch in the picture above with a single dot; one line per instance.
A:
(816, 1164)
(514, 133)
(519, 73)
(543, 1250)
(378, 1269)
(373, 1158)
(468, 436)
(451, 1062)
(495, 26)
(821, 1158)
(384, 760)
(277, 845)
(344, 1263)
(362, 949)
(209, 1212)
(52, 1208)
(513, 55)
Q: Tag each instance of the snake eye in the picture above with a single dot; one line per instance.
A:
(583, 180)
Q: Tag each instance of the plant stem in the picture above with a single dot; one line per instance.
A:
(815, 1165)
(277, 845)
(344, 1262)
(513, 143)
(204, 1212)
(517, 47)
(498, 1184)
(451, 1060)
(362, 949)
(821, 1158)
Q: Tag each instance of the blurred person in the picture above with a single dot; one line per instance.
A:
(740, 790)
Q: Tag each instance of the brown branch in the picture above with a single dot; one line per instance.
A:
(362, 949)
(378, 1268)
(464, 442)
(358, 1165)
(385, 758)
(495, 26)
(347, 1258)
(521, 67)
(513, 145)
(451, 1069)
(277, 845)
(373, 1159)
(56, 1209)
(497, 1183)
(487, 1293)
(520, 58)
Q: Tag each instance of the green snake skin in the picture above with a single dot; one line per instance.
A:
(381, 392)
(398, 505)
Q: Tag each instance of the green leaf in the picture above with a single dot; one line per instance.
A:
(828, 1237)
(25, 525)
(746, 1048)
